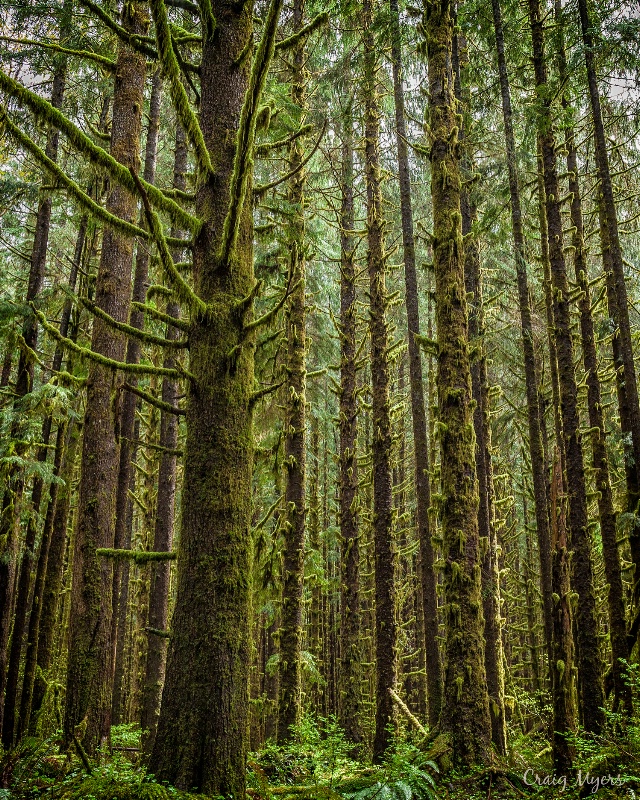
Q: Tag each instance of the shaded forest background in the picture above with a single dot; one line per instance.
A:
(319, 412)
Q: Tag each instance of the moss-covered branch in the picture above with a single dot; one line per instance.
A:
(264, 187)
(171, 69)
(138, 369)
(182, 289)
(103, 61)
(243, 161)
(207, 19)
(96, 155)
(149, 398)
(292, 41)
(181, 324)
(140, 43)
(267, 147)
(130, 330)
(137, 556)
(265, 318)
(266, 390)
(71, 187)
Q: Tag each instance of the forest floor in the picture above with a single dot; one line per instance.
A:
(317, 766)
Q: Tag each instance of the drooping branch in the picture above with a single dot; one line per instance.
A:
(243, 161)
(103, 61)
(171, 69)
(129, 330)
(261, 189)
(292, 41)
(138, 369)
(267, 147)
(140, 43)
(149, 398)
(96, 155)
(83, 199)
(265, 318)
(181, 324)
(183, 291)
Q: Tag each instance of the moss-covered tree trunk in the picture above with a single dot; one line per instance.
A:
(588, 652)
(289, 706)
(386, 632)
(201, 739)
(122, 537)
(600, 460)
(626, 377)
(350, 653)
(165, 509)
(465, 711)
(14, 594)
(35, 616)
(90, 665)
(428, 594)
(531, 367)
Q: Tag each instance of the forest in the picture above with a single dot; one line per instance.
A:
(319, 407)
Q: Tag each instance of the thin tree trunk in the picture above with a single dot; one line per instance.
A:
(428, 594)
(351, 656)
(165, 510)
(290, 703)
(385, 625)
(618, 300)
(90, 667)
(13, 610)
(122, 536)
(588, 653)
(531, 370)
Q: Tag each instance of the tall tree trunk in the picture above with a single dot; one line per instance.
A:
(589, 662)
(600, 460)
(290, 703)
(90, 666)
(386, 632)
(201, 736)
(13, 610)
(564, 715)
(536, 452)
(428, 594)
(465, 711)
(618, 300)
(165, 509)
(122, 536)
(350, 671)
(43, 556)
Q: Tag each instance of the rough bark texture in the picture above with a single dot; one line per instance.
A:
(588, 654)
(165, 510)
(531, 369)
(13, 610)
(618, 300)
(600, 461)
(564, 712)
(386, 628)
(428, 594)
(201, 736)
(289, 706)
(465, 711)
(122, 537)
(90, 666)
(351, 656)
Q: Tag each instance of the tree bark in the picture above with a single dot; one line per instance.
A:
(428, 594)
(465, 711)
(290, 702)
(531, 369)
(90, 665)
(385, 620)
(351, 656)
(588, 655)
(122, 536)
